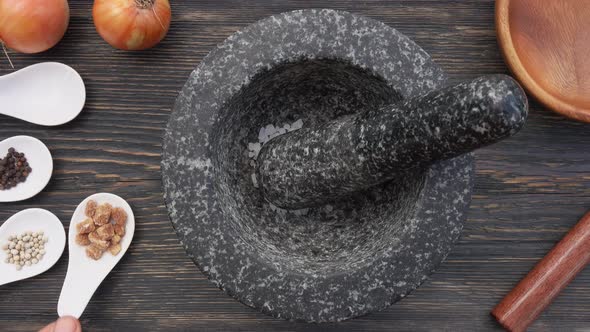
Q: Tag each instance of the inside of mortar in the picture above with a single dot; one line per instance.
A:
(334, 238)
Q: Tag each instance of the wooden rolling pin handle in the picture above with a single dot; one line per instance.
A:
(552, 274)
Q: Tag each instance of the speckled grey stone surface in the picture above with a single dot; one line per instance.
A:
(326, 161)
(334, 261)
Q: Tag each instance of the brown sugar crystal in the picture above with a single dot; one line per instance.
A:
(94, 252)
(119, 230)
(86, 226)
(105, 232)
(97, 241)
(90, 208)
(82, 239)
(114, 249)
(119, 216)
(115, 239)
(102, 215)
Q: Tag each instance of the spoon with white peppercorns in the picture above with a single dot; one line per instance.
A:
(19, 258)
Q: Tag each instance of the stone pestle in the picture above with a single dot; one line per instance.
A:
(318, 164)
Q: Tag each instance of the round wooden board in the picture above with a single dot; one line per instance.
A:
(546, 44)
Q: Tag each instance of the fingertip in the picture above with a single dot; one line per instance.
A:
(67, 324)
(48, 328)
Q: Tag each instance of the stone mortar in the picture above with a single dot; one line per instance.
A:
(331, 262)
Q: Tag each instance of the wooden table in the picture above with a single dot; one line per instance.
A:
(529, 191)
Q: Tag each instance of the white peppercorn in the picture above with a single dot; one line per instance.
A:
(25, 249)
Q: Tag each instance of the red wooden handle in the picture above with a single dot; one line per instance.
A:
(552, 274)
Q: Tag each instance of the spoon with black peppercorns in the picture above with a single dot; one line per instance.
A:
(14, 169)
(26, 166)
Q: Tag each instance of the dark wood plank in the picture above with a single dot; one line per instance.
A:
(529, 191)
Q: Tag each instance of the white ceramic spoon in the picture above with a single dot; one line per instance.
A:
(85, 274)
(39, 159)
(33, 220)
(47, 94)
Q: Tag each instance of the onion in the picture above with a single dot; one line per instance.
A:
(32, 26)
(132, 24)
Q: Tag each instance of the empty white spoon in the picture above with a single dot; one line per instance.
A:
(85, 274)
(33, 220)
(47, 94)
(39, 159)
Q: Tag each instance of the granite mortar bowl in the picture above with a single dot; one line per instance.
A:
(326, 263)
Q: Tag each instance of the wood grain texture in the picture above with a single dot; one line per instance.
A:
(546, 45)
(529, 190)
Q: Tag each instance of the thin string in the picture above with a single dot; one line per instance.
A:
(158, 17)
(6, 53)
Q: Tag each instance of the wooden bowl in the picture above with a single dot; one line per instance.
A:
(546, 44)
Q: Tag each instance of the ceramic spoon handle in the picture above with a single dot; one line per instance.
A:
(314, 165)
(544, 282)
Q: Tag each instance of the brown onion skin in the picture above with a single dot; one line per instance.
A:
(33, 26)
(126, 26)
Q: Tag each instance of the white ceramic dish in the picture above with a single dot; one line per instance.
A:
(85, 274)
(47, 94)
(34, 220)
(40, 161)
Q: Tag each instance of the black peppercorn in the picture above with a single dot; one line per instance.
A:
(14, 169)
